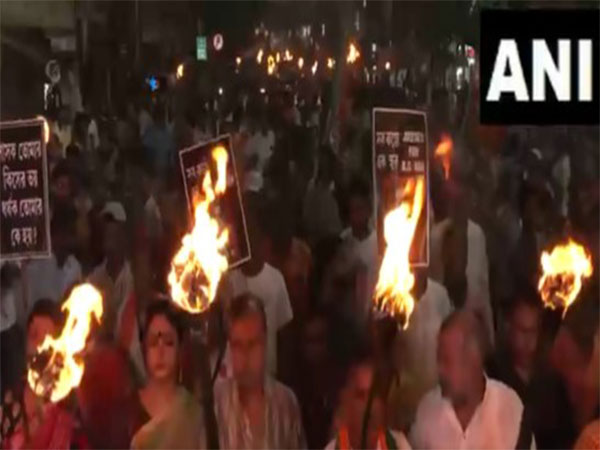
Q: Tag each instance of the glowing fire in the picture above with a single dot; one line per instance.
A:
(564, 269)
(287, 55)
(392, 292)
(201, 260)
(314, 67)
(270, 64)
(63, 367)
(300, 63)
(330, 63)
(443, 151)
(353, 54)
(179, 73)
(259, 56)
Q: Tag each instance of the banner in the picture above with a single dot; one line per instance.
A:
(194, 162)
(400, 154)
(25, 225)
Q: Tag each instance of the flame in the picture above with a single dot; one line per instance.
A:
(259, 56)
(238, 60)
(64, 369)
(201, 260)
(46, 129)
(392, 292)
(314, 67)
(287, 55)
(564, 269)
(330, 63)
(270, 65)
(278, 57)
(300, 63)
(353, 54)
(443, 151)
(179, 73)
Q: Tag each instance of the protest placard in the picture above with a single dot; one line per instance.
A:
(400, 154)
(25, 225)
(194, 162)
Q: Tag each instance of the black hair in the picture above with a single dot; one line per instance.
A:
(525, 295)
(365, 357)
(62, 169)
(72, 151)
(165, 309)
(45, 307)
(473, 328)
(582, 319)
(242, 306)
(359, 187)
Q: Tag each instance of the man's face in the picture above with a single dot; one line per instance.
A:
(359, 212)
(315, 341)
(39, 328)
(523, 334)
(357, 394)
(113, 239)
(453, 365)
(247, 341)
(61, 188)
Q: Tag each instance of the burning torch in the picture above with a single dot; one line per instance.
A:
(57, 367)
(196, 270)
(563, 270)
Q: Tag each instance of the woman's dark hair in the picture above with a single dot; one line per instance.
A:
(45, 307)
(164, 308)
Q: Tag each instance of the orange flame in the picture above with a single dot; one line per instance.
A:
(353, 54)
(443, 151)
(271, 64)
(564, 269)
(392, 292)
(64, 368)
(201, 260)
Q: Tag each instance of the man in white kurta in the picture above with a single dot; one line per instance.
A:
(468, 410)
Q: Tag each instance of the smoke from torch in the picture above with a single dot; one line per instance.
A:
(563, 272)
(443, 152)
(61, 357)
(393, 290)
(198, 265)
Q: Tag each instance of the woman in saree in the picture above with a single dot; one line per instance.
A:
(168, 416)
(30, 421)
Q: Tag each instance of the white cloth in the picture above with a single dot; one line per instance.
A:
(495, 424)
(64, 136)
(269, 286)
(8, 312)
(261, 147)
(478, 290)
(478, 286)
(45, 279)
(144, 121)
(282, 418)
(93, 135)
(399, 438)
(153, 217)
(364, 253)
(116, 295)
(420, 338)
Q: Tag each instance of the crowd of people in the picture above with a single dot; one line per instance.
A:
(290, 354)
